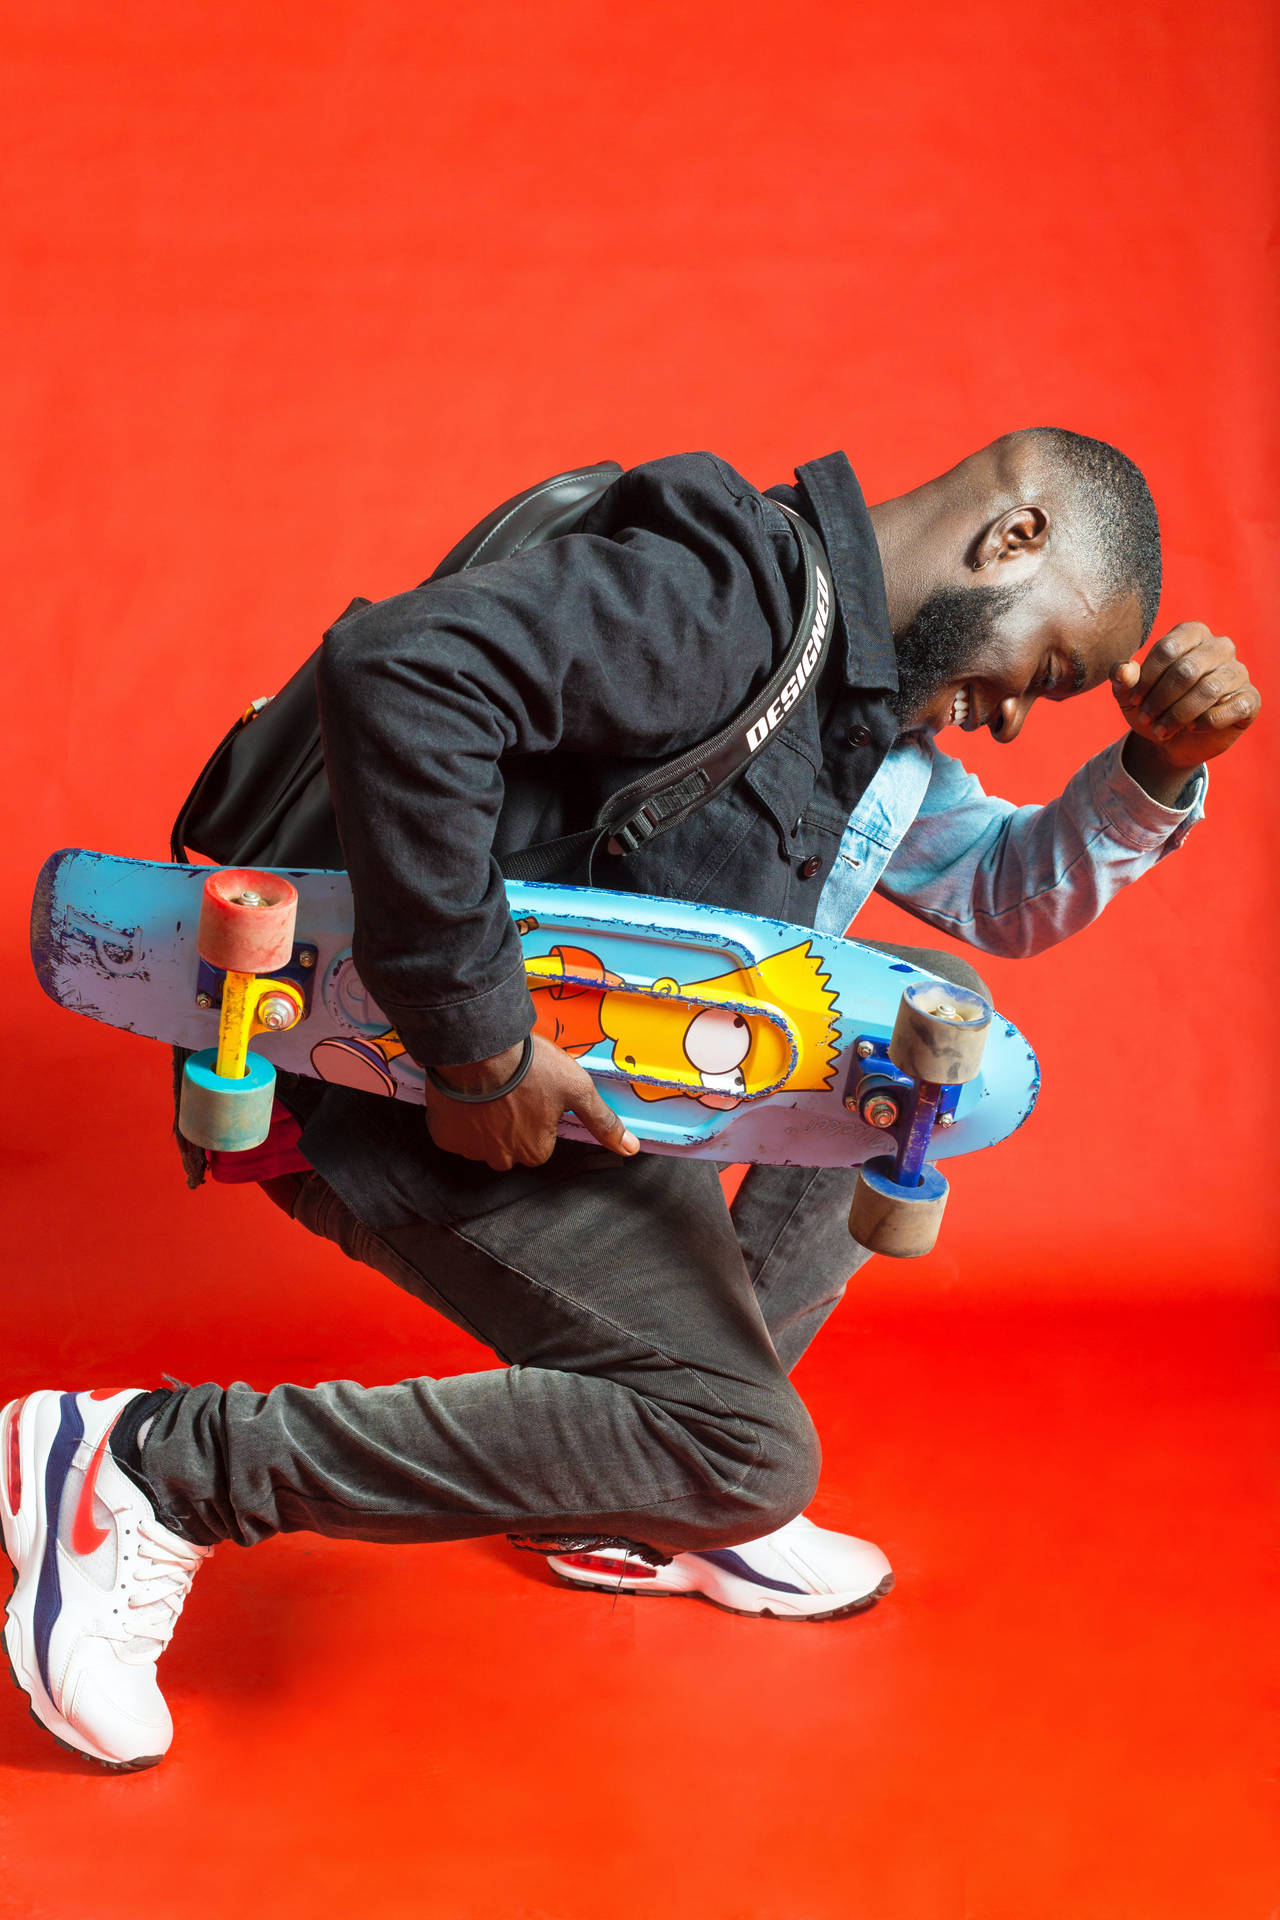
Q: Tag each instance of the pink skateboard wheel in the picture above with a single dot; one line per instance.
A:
(246, 920)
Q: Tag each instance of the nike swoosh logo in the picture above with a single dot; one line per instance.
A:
(86, 1535)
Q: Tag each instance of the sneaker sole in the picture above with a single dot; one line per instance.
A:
(613, 1588)
(32, 1521)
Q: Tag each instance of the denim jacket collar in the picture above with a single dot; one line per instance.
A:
(830, 490)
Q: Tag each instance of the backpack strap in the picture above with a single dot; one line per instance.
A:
(659, 800)
(257, 776)
(553, 507)
(262, 796)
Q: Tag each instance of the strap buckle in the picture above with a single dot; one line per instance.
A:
(633, 833)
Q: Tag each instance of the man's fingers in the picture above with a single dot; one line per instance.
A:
(1236, 710)
(1213, 687)
(1125, 678)
(1166, 654)
(1172, 667)
(519, 1129)
(534, 1152)
(1176, 682)
(602, 1121)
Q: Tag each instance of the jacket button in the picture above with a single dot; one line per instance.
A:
(811, 866)
(859, 736)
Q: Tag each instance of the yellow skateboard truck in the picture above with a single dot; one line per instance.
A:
(250, 1006)
(245, 931)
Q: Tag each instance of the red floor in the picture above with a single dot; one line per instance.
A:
(1057, 1712)
(292, 296)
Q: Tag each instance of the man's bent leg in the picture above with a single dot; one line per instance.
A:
(793, 1222)
(643, 1401)
(792, 1226)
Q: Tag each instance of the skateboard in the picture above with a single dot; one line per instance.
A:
(713, 1034)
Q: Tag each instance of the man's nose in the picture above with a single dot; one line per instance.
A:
(1009, 718)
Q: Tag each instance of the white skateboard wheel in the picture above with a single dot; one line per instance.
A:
(902, 1222)
(940, 1033)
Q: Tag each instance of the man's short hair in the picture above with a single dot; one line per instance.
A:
(1117, 516)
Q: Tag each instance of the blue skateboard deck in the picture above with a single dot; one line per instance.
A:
(714, 1034)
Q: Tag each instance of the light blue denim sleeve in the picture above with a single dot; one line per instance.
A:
(1014, 880)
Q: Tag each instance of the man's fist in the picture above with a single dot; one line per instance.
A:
(1189, 700)
(520, 1129)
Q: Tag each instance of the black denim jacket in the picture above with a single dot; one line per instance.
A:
(495, 709)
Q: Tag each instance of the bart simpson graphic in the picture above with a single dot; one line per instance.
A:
(718, 1055)
(567, 989)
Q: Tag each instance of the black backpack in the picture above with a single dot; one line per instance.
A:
(263, 798)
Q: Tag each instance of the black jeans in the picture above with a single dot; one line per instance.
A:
(649, 1335)
(644, 1400)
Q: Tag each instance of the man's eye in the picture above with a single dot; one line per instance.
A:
(717, 1040)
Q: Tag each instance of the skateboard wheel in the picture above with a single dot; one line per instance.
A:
(246, 920)
(940, 1033)
(226, 1116)
(899, 1221)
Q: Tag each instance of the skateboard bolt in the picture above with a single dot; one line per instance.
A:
(307, 958)
(276, 1012)
(945, 1120)
(864, 1049)
(204, 999)
(250, 899)
(880, 1110)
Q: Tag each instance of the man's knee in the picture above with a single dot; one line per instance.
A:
(793, 1461)
(947, 966)
(781, 1482)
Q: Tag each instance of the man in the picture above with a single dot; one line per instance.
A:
(645, 1431)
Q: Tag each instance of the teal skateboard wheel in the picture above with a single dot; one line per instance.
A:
(226, 1116)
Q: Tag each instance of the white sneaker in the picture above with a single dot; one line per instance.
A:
(801, 1572)
(100, 1582)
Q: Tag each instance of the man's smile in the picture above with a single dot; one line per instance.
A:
(959, 708)
(965, 710)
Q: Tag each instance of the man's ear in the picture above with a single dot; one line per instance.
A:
(1017, 534)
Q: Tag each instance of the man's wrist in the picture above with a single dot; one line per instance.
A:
(1167, 784)
(481, 1076)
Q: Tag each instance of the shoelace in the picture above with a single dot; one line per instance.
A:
(153, 1615)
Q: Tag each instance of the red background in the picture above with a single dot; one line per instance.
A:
(294, 296)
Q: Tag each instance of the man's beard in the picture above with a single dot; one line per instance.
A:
(942, 642)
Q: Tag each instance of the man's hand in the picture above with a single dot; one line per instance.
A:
(1187, 702)
(520, 1130)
